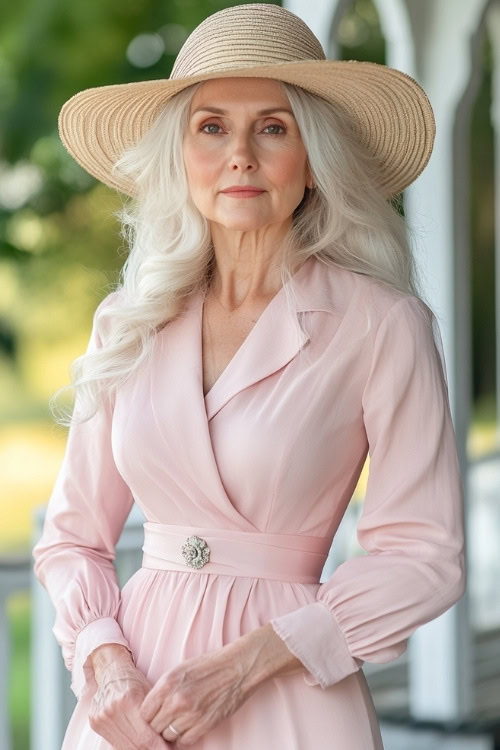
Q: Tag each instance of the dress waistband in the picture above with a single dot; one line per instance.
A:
(285, 557)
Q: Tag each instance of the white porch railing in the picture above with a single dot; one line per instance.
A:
(52, 700)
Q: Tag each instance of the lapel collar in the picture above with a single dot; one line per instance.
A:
(183, 416)
(273, 341)
(182, 421)
(271, 344)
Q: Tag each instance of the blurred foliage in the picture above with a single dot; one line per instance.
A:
(359, 35)
(482, 235)
(60, 248)
(59, 240)
(39, 445)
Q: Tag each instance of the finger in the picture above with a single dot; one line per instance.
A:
(151, 705)
(191, 735)
(115, 735)
(143, 734)
(171, 736)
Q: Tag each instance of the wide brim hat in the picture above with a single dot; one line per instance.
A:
(389, 111)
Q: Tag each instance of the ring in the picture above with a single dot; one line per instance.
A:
(174, 730)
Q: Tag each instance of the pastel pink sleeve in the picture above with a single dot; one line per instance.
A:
(73, 559)
(412, 521)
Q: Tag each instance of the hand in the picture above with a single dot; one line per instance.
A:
(202, 691)
(114, 712)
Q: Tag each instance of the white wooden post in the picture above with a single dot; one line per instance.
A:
(446, 44)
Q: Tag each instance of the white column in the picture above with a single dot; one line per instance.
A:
(322, 17)
(446, 48)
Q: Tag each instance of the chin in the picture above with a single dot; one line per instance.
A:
(241, 226)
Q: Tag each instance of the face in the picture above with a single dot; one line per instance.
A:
(240, 145)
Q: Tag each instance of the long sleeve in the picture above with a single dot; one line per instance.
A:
(85, 515)
(412, 521)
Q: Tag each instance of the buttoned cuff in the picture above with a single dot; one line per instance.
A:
(314, 636)
(96, 633)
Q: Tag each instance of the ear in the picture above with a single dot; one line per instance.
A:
(310, 182)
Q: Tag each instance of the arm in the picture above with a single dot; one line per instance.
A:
(74, 557)
(412, 525)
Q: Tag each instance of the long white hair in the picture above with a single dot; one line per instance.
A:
(345, 221)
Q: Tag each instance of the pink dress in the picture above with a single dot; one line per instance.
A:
(262, 469)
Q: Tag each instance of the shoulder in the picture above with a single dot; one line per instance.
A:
(350, 293)
(384, 302)
(110, 299)
(109, 304)
(104, 312)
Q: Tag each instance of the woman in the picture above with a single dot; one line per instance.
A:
(258, 347)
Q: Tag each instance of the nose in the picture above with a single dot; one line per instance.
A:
(242, 155)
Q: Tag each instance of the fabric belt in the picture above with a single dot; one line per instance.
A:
(284, 557)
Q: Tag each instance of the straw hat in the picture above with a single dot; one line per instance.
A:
(390, 113)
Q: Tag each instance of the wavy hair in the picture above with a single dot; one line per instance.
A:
(344, 221)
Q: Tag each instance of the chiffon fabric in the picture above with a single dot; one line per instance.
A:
(262, 468)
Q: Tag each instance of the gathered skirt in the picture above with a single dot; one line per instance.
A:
(171, 615)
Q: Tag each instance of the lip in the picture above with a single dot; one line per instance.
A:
(236, 189)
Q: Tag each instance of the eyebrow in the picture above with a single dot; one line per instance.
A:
(217, 111)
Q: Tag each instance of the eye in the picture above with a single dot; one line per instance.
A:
(214, 124)
(275, 125)
(208, 124)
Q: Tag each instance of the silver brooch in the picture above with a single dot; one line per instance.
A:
(196, 552)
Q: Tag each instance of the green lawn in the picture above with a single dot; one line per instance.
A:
(19, 612)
